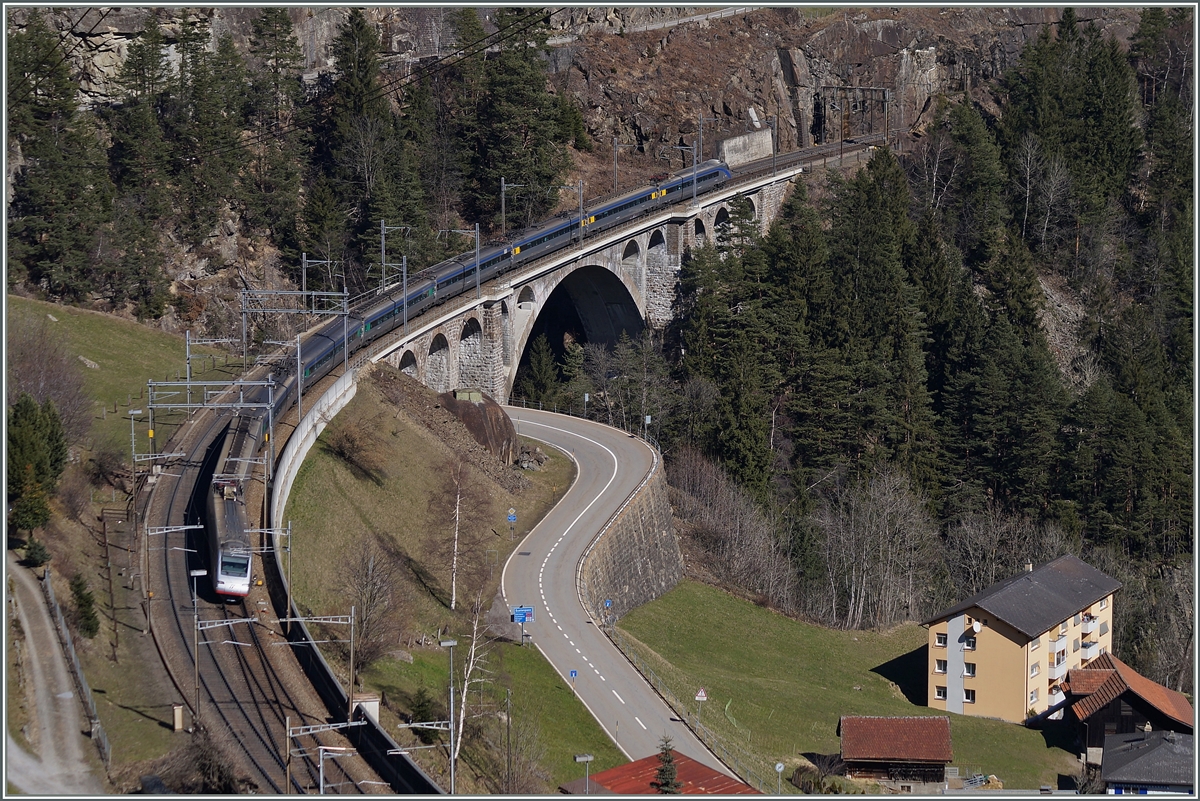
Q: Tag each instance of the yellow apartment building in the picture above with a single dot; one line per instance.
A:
(1003, 652)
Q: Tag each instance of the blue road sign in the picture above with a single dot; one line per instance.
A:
(512, 518)
(574, 673)
(607, 603)
(522, 614)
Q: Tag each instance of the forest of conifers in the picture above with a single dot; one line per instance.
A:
(867, 411)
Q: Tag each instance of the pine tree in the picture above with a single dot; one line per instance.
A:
(539, 380)
(664, 777)
(511, 138)
(62, 196)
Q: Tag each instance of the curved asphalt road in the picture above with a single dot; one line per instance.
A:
(541, 574)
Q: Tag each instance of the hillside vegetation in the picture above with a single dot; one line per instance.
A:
(379, 513)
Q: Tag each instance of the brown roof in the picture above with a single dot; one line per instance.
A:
(907, 739)
(634, 779)
(1085, 681)
(1121, 679)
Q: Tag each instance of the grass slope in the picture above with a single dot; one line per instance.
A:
(332, 507)
(777, 687)
(127, 355)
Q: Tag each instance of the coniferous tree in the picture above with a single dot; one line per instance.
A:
(511, 138)
(665, 776)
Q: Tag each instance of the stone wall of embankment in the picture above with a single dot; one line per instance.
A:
(636, 558)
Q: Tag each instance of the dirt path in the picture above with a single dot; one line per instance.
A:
(57, 730)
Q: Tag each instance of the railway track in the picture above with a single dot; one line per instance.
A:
(246, 685)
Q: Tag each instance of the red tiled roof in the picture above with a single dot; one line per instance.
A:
(634, 779)
(899, 739)
(1121, 679)
(1085, 681)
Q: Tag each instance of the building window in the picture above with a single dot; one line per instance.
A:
(940, 640)
(1062, 628)
(1076, 618)
(1036, 644)
(939, 693)
(969, 644)
(1033, 696)
(968, 696)
(1103, 603)
(1035, 668)
(939, 666)
(969, 669)
(1075, 645)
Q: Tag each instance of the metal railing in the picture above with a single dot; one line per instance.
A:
(81, 685)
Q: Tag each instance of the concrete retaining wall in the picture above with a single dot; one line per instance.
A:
(636, 557)
(314, 422)
(746, 148)
(369, 739)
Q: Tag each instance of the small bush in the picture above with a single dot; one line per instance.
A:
(36, 553)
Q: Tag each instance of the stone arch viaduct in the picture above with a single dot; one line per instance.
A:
(620, 280)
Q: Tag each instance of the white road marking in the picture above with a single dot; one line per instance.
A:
(560, 628)
(643, 725)
(622, 700)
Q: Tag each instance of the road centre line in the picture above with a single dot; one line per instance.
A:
(622, 700)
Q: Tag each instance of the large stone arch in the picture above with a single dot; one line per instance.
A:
(439, 366)
(408, 364)
(473, 369)
(526, 299)
(595, 299)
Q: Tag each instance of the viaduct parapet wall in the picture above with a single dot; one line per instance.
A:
(636, 558)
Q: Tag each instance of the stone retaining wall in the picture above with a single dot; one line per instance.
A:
(636, 558)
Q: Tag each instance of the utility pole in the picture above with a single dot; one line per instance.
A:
(504, 187)
(692, 148)
(771, 120)
(383, 262)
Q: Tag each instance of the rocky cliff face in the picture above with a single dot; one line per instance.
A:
(647, 73)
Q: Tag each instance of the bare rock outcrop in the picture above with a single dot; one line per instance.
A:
(489, 424)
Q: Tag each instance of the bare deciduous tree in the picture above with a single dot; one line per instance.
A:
(879, 548)
(475, 672)
(369, 583)
(353, 441)
(462, 508)
(1029, 165)
(40, 364)
(742, 542)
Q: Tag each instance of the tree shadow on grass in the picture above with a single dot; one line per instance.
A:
(907, 672)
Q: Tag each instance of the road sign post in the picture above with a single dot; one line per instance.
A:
(522, 615)
(701, 697)
(574, 673)
(512, 520)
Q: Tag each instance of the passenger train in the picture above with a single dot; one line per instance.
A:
(320, 352)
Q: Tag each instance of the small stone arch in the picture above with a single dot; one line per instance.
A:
(629, 258)
(472, 364)
(526, 299)
(408, 364)
(437, 368)
(700, 234)
(658, 243)
(721, 219)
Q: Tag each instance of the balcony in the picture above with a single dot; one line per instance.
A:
(1090, 625)
(1059, 643)
(1058, 671)
(1091, 650)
